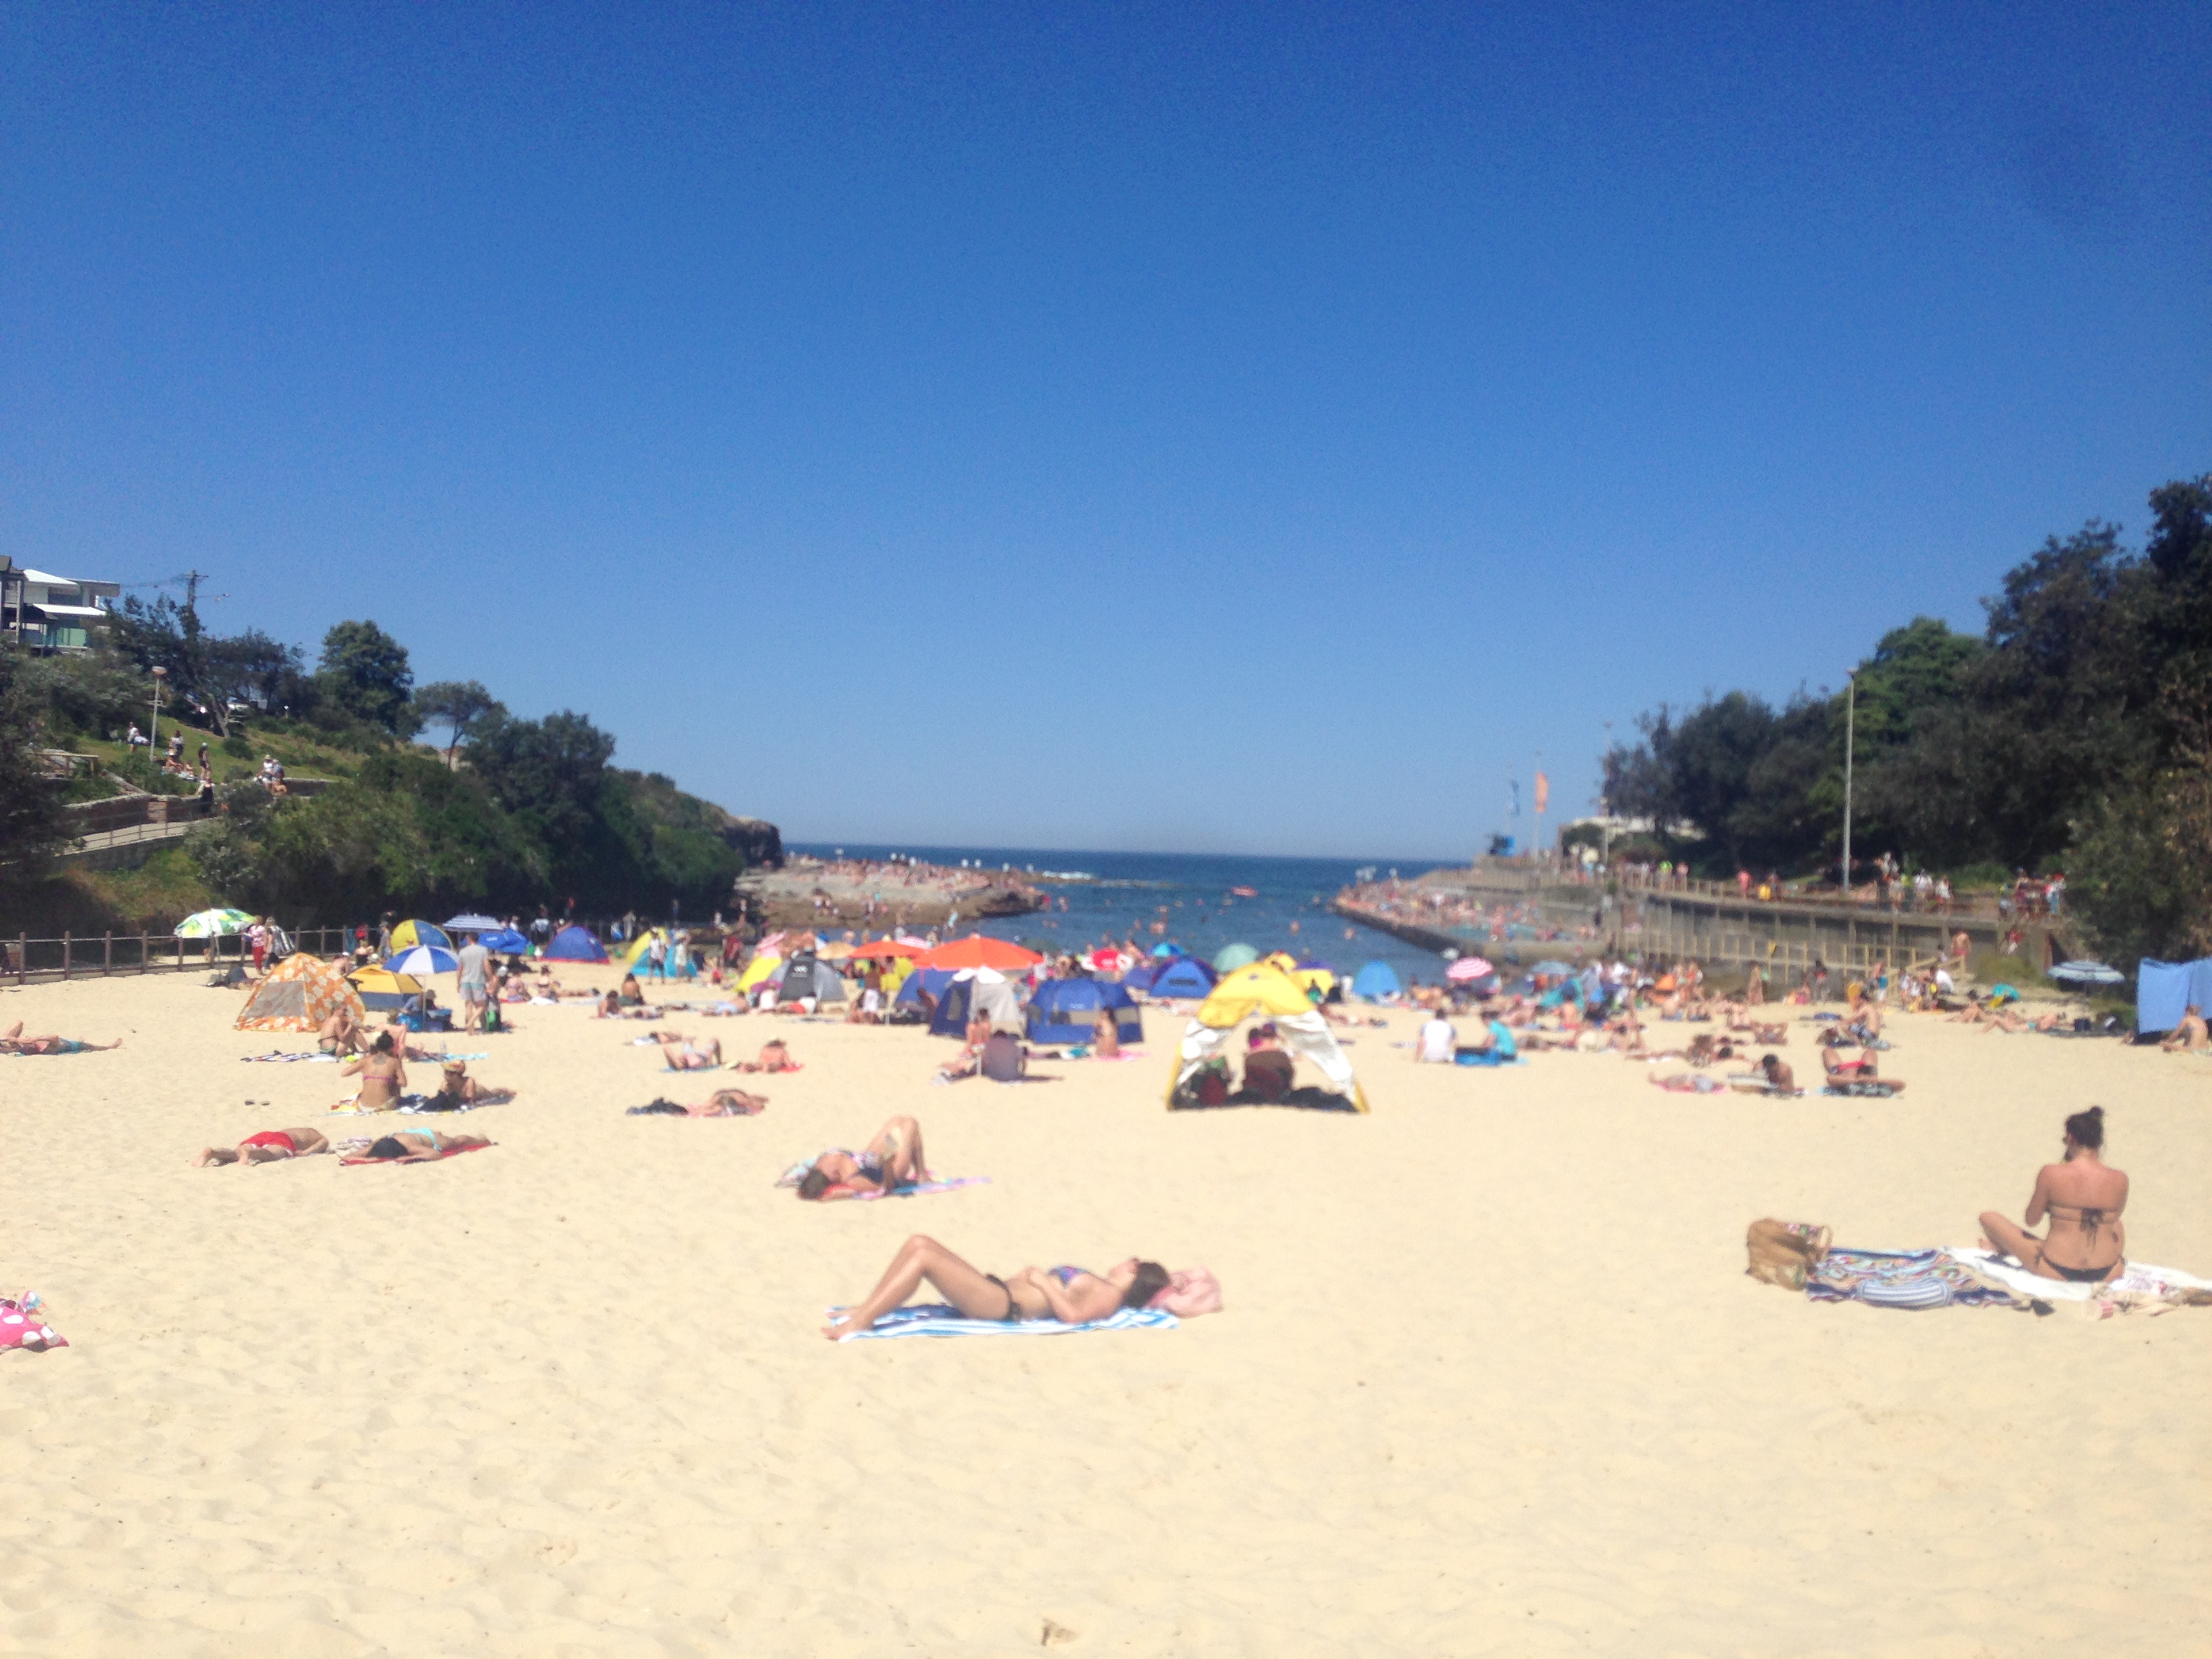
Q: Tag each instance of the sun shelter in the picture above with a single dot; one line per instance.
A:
(1065, 1009)
(412, 933)
(806, 974)
(2165, 990)
(1315, 976)
(470, 922)
(761, 967)
(1186, 977)
(299, 996)
(1376, 982)
(1139, 978)
(506, 941)
(932, 980)
(1231, 957)
(973, 993)
(575, 944)
(214, 924)
(381, 989)
(1261, 991)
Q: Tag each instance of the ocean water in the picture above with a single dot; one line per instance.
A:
(1127, 892)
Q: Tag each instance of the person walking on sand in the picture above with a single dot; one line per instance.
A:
(270, 1146)
(2086, 1241)
(475, 964)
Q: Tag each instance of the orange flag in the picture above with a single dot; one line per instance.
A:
(1543, 791)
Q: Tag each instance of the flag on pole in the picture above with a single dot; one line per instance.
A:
(1514, 811)
(1543, 793)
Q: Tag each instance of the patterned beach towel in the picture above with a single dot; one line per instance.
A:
(1901, 1279)
(935, 1319)
(279, 1057)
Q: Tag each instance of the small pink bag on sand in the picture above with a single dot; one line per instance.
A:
(1191, 1292)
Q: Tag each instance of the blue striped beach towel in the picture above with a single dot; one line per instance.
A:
(935, 1319)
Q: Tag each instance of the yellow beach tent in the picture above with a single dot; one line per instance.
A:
(1261, 990)
(756, 970)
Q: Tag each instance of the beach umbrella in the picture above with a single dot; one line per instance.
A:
(506, 941)
(1553, 968)
(1168, 949)
(1231, 957)
(2003, 993)
(471, 924)
(211, 924)
(423, 959)
(1469, 967)
(890, 947)
(977, 950)
(2088, 973)
(411, 931)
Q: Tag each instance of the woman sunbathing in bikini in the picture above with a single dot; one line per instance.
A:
(458, 1090)
(682, 1055)
(723, 1102)
(2087, 1240)
(892, 1160)
(270, 1146)
(1071, 1295)
(383, 1075)
(13, 1041)
(420, 1146)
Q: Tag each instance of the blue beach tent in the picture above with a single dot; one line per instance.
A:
(1064, 1011)
(1139, 978)
(932, 980)
(2164, 991)
(1377, 980)
(1185, 976)
(573, 944)
(506, 941)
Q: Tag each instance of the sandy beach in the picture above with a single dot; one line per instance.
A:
(1491, 1378)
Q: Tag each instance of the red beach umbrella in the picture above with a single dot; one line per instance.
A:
(977, 952)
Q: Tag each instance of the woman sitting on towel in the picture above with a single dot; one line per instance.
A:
(420, 1146)
(383, 1074)
(270, 1146)
(891, 1160)
(1071, 1295)
(13, 1041)
(2087, 1240)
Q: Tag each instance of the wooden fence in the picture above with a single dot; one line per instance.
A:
(92, 956)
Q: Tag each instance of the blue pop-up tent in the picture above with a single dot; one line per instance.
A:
(2166, 990)
(1139, 978)
(573, 944)
(1377, 980)
(1064, 1011)
(932, 980)
(1185, 976)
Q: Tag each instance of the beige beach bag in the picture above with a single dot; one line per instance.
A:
(1784, 1252)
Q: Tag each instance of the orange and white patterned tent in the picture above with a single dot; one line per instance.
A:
(301, 993)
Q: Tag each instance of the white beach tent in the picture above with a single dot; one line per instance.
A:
(1260, 990)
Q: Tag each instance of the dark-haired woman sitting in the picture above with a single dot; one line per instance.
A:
(1071, 1295)
(2083, 1197)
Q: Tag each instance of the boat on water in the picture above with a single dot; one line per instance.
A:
(1245, 892)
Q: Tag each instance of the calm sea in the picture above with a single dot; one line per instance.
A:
(1127, 892)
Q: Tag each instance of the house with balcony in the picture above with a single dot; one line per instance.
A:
(44, 612)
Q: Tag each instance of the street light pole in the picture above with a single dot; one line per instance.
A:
(1850, 725)
(153, 720)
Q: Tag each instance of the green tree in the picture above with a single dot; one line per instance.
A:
(30, 815)
(456, 705)
(364, 673)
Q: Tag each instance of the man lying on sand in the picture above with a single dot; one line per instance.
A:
(682, 1055)
(1071, 1295)
(892, 1160)
(774, 1057)
(13, 1041)
(2084, 1196)
(270, 1146)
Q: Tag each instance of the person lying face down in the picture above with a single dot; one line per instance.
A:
(893, 1159)
(1074, 1296)
(420, 1146)
(270, 1146)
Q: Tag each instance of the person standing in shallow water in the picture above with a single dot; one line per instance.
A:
(2084, 1196)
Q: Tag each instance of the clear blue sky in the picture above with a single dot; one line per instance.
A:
(1075, 425)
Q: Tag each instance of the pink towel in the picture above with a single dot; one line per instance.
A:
(21, 1329)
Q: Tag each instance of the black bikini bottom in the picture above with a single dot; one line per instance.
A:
(2080, 1275)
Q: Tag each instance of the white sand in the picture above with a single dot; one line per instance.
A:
(1490, 1379)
